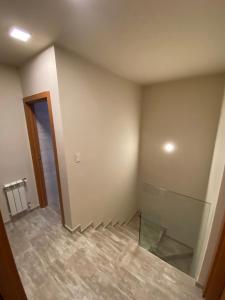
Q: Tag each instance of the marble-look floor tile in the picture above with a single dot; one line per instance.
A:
(103, 264)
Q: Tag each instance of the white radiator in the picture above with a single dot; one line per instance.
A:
(16, 196)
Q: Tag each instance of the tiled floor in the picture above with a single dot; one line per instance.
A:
(106, 264)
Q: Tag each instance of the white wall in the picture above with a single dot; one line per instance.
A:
(212, 226)
(101, 114)
(39, 75)
(15, 157)
(185, 112)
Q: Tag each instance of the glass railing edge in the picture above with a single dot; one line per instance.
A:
(177, 193)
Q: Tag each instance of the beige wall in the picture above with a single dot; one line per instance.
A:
(185, 112)
(100, 113)
(38, 75)
(15, 157)
(211, 226)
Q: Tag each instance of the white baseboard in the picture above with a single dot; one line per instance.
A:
(99, 225)
(115, 223)
(72, 230)
(131, 217)
(123, 223)
(199, 285)
(105, 225)
(91, 224)
(108, 223)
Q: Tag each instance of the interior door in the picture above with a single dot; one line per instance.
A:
(223, 295)
(35, 153)
(10, 285)
(216, 284)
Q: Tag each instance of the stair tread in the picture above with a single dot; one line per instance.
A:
(135, 223)
(103, 243)
(151, 235)
(127, 231)
(131, 229)
(169, 248)
(120, 234)
(115, 240)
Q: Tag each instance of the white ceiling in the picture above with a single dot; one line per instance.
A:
(142, 40)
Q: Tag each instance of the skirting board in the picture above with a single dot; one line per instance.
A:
(131, 217)
(115, 223)
(73, 230)
(99, 225)
(199, 285)
(91, 224)
(107, 224)
(78, 228)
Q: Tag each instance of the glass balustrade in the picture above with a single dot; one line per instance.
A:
(171, 226)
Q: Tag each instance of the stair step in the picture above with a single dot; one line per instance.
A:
(127, 232)
(131, 229)
(103, 243)
(183, 264)
(121, 235)
(135, 223)
(151, 235)
(176, 256)
(169, 248)
(112, 238)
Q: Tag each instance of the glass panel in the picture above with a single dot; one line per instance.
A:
(170, 226)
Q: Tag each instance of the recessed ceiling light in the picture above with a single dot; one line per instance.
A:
(19, 34)
(169, 147)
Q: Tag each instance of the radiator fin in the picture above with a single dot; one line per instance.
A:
(11, 202)
(16, 196)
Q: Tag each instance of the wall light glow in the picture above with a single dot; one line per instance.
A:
(19, 34)
(169, 147)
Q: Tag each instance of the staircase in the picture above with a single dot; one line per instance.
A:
(113, 238)
(154, 238)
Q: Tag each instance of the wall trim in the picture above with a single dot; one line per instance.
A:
(115, 223)
(91, 224)
(99, 225)
(73, 230)
(79, 228)
(199, 285)
(137, 212)
(108, 224)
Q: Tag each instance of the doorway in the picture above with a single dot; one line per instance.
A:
(41, 134)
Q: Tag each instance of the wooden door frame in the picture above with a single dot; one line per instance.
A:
(215, 285)
(35, 147)
(10, 284)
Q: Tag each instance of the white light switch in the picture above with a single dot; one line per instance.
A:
(77, 157)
